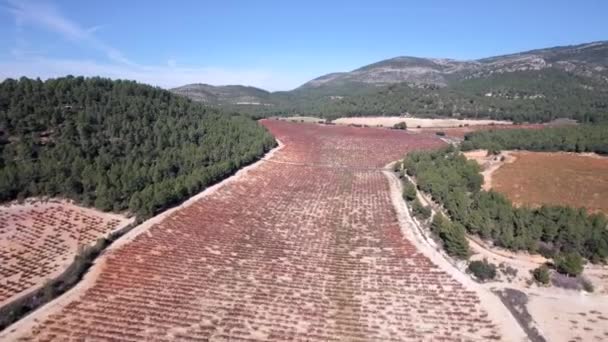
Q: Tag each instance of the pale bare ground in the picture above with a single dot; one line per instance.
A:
(551, 308)
(509, 328)
(27, 323)
(564, 316)
(308, 119)
(490, 163)
(390, 121)
(40, 237)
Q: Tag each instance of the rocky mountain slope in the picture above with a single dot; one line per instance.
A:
(537, 85)
(590, 60)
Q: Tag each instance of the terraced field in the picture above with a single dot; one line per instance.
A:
(38, 240)
(305, 246)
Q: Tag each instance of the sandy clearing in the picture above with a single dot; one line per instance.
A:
(490, 163)
(389, 121)
(308, 119)
(568, 316)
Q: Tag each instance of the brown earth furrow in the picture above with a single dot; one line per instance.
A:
(286, 252)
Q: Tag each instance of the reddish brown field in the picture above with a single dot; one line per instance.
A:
(536, 178)
(306, 247)
(38, 240)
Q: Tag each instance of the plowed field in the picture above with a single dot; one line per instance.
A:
(537, 178)
(38, 240)
(305, 246)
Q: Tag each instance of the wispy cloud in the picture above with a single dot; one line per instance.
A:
(45, 15)
(163, 76)
(32, 63)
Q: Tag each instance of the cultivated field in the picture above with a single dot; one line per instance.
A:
(39, 239)
(306, 245)
(389, 121)
(536, 178)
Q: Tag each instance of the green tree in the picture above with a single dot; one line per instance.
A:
(482, 269)
(541, 274)
(570, 264)
(409, 191)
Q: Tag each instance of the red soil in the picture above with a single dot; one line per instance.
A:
(307, 247)
(38, 240)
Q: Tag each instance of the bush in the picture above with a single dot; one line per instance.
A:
(452, 235)
(570, 264)
(420, 211)
(565, 282)
(509, 271)
(441, 134)
(587, 285)
(541, 274)
(482, 270)
(409, 190)
(400, 125)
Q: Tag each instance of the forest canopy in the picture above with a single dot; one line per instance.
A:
(116, 145)
(583, 138)
(523, 96)
(455, 182)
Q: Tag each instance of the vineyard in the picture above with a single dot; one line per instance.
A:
(305, 246)
(38, 240)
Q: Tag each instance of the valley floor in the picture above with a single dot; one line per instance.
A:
(307, 244)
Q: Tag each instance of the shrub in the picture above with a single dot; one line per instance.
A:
(441, 134)
(482, 270)
(400, 125)
(541, 274)
(409, 191)
(509, 271)
(587, 285)
(452, 235)
(570, 264)
(420, 211)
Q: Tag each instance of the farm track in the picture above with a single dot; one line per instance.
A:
(291, 251)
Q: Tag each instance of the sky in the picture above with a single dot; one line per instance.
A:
(275, 45)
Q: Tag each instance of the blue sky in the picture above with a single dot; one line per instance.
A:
(276, 45)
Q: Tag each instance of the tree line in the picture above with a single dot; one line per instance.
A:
(116, 145)
(554, 231)
(522, 96)
(582, 138)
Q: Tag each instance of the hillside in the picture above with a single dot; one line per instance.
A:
(230, 94)
(535, 86)
(116, 145)
(589, 60)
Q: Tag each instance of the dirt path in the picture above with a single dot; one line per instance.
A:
(555, 314)
(309, 247)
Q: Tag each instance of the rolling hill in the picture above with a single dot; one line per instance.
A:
(230, 94)
(116, 145)
(537, 85)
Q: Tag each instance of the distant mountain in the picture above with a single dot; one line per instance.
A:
(230, 94)
(590, 60)
(537, 85)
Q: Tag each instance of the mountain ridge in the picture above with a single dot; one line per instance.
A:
(536, 85)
